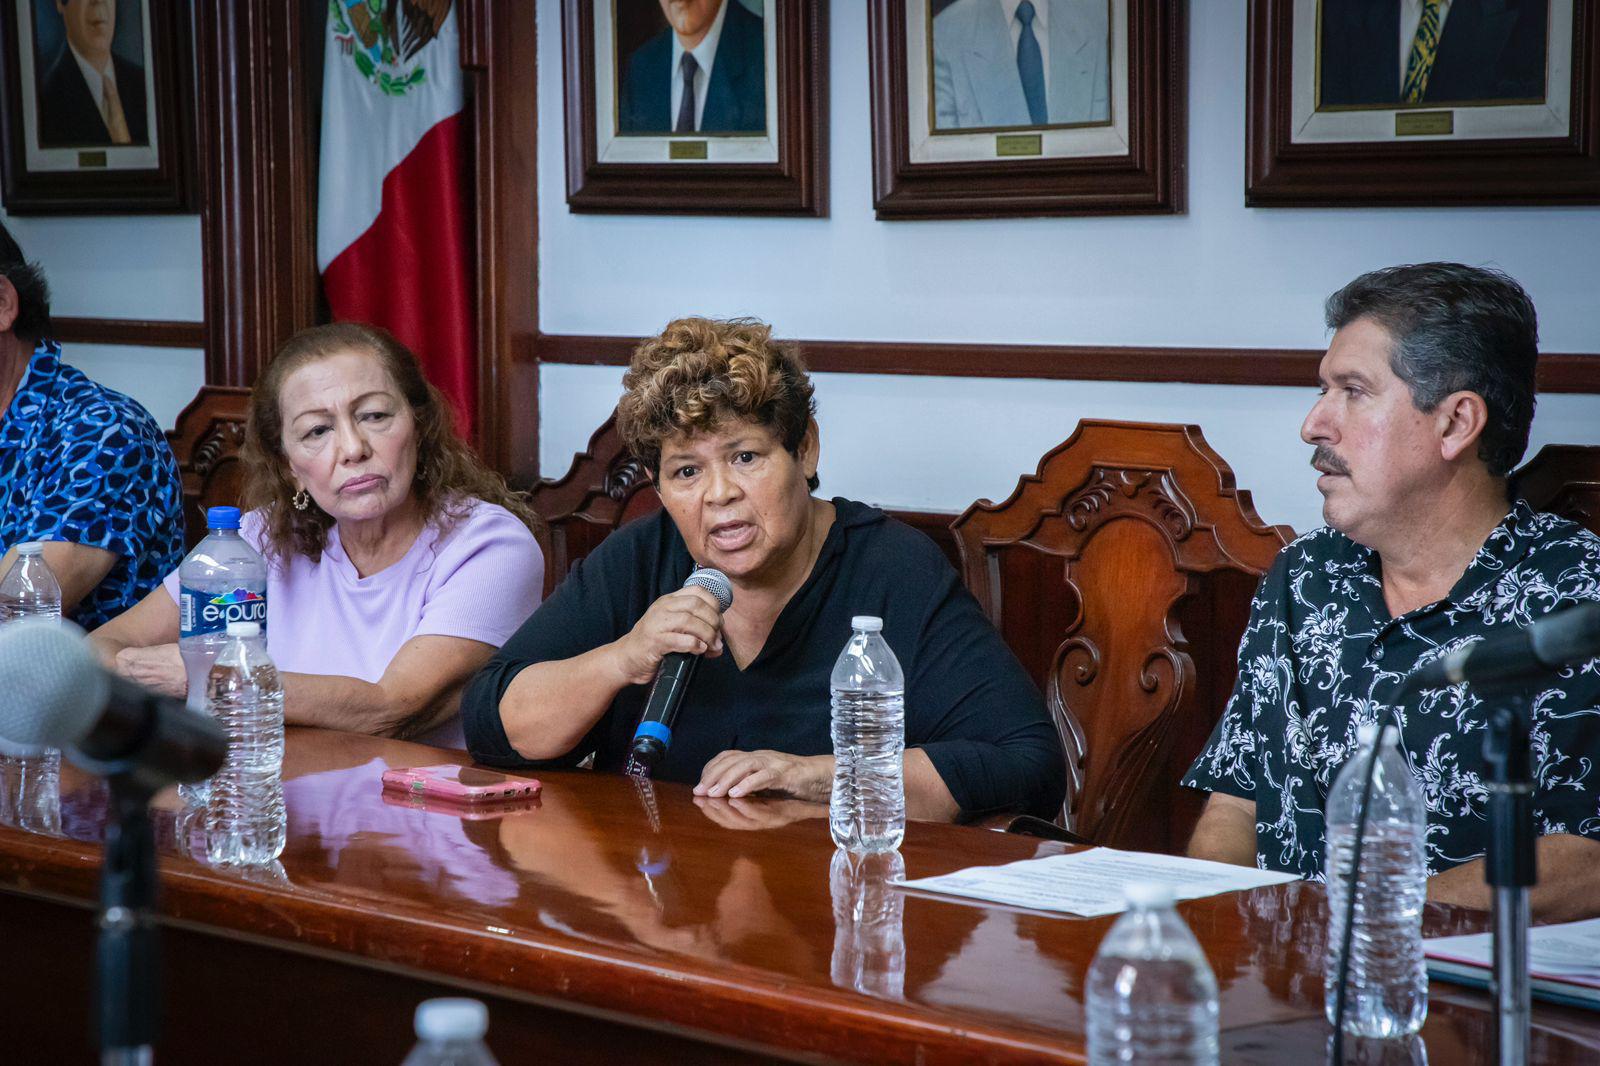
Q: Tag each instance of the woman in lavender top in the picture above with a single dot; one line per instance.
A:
(397, 562)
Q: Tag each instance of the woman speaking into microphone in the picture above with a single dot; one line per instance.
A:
(722, 418)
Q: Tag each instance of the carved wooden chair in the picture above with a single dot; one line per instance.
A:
(206, 442)
(1121, 574)
(605, 487)
(1563, 479)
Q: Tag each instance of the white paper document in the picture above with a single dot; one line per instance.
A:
(1091, 883)
(1570, 950)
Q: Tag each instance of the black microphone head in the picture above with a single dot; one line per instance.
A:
(714, 582)
(1571, 635)
(54, 691)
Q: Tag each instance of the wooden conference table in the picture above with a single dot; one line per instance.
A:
(602, 928)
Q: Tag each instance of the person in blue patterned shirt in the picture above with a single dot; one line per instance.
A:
(82, 468)
(1426, 403)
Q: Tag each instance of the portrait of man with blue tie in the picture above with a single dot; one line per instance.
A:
(1430, 53)
(1001, 64)
(703, 68)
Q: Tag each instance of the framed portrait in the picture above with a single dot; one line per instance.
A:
(696, 106)
(1423, 103)
(987, 108)
(95, 116)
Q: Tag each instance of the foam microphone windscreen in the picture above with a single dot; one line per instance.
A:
(52, 690)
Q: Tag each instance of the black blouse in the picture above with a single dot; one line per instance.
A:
(969, 704)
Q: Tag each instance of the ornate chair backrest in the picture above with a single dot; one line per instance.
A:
(1121, 573)
(605, 487)
(206, 441)
(1563, 479)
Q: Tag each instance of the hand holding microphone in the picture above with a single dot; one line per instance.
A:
(675, 632)
(688, 621)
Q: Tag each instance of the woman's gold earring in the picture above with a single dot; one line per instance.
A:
(302, 500)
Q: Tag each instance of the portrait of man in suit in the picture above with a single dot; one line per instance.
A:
(705, 71)
(88, 93)
(999, 64)
(1410, 53)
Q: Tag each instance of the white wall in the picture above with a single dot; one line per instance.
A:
(1219, 276)
(139, 267)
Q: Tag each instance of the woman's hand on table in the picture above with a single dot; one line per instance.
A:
(736, 774)
(688, 621)
(158, 667)
(762, 813)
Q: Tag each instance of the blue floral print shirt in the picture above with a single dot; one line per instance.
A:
(82, 463)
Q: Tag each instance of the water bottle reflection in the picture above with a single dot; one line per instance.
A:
(30, 792)
(869, 942)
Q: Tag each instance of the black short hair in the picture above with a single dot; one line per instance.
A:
(33, 292)
(1455, 328)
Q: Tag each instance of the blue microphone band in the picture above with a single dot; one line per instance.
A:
(658, 730)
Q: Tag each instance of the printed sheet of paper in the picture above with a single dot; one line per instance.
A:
(1091, 883)
(1570, 950)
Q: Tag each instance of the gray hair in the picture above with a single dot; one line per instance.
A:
(1455, 328)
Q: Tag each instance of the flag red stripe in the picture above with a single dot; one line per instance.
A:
(409, 271)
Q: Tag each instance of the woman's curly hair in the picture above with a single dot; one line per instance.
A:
(449, 475)
(702, 372)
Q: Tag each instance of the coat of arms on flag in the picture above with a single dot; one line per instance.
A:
(383, 37)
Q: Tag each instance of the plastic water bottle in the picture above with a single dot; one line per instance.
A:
(869, 940)
(222, 580)
(29, 592)
(29, 589)
(1151, 995)
(450, 1033)
(1387, 994)
(246, 824)
(867, 811)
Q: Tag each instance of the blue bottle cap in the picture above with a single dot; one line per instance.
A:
(222, 518)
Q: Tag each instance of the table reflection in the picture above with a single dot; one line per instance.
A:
(30, 792)
(869, 940)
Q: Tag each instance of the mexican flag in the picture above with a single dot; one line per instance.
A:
(392, 224)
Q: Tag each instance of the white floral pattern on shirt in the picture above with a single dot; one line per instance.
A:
(1322, 655)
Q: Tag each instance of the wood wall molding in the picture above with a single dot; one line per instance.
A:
(134, 332)
(258, 177)
(1294, 367)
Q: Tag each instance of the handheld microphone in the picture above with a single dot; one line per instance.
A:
(1554, 641)
(56, 695)
(654, 735)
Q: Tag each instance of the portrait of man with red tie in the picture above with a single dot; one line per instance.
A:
(90, 93)
(1428, 53)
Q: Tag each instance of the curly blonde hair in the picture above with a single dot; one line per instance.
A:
(702, 372)
(449, 474)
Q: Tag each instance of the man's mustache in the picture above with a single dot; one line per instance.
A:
(1326, 461)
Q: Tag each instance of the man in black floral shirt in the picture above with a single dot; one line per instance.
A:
(1427, 397)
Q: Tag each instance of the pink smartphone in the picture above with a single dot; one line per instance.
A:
(471, 812)
(459, 784)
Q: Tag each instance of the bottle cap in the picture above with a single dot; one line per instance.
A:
(32, 547)
(1147, 895)
(1367, 734)
(452, 1019)
(247, 630)
(222, 518)
(867, 623)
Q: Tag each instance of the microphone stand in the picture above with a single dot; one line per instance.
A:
(1510, 869)
(127, 957)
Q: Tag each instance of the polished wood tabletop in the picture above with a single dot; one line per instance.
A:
(735, 922)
